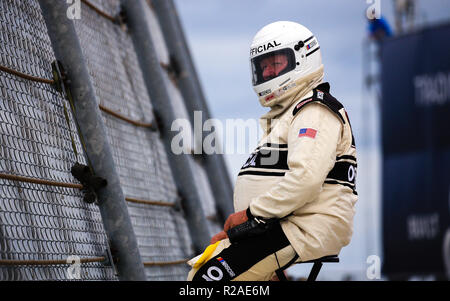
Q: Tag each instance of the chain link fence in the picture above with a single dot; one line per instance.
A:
(39, 221)
(43, 219)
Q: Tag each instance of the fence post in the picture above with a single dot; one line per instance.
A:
(156, 86)
(112, 205)
(195, 100)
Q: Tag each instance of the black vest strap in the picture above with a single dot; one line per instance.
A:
(321, 94)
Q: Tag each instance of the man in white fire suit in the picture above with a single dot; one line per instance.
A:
(294, 198)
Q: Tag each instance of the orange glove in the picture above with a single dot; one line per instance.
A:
(218, 236)
(235, 219)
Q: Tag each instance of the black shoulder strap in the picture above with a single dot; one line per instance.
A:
(321, 94)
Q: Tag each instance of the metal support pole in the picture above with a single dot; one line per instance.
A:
(112, 205)
(194, 99)
(181, 165)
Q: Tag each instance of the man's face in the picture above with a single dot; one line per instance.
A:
(273, 65)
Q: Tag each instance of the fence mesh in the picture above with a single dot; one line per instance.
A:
(46, 222)
(138, 152)
(39, 222)
(177, 102)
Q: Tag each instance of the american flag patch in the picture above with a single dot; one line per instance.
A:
(307, 132)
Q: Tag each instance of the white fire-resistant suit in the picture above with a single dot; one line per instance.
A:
(303, 172)
(304, 169)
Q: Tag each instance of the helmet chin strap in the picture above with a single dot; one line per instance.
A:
(281, 103)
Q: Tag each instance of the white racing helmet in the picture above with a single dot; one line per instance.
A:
(282, 53)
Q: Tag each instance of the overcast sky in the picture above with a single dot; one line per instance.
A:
(219, 34)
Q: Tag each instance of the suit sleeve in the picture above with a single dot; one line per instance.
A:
(309, 159)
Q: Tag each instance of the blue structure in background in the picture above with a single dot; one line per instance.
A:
(379, 29)
(415, 127)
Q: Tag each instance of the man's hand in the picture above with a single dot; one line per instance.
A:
(232, 221)
(218, 236)
(235, 219)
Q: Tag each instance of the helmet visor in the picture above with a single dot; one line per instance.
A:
(271, 65)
